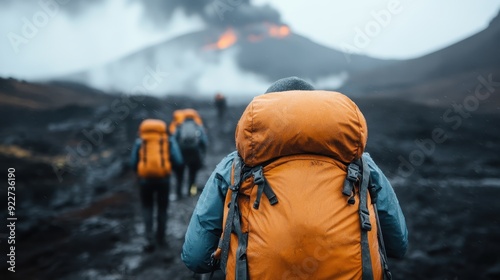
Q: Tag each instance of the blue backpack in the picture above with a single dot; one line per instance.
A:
(189, 135)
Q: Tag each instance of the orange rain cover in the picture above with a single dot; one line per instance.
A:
(312, 232)
(181, 115)
(301, 122)
(154, 160)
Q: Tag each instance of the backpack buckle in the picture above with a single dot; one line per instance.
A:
(258, 176)
(352, 176)
(364, 215)
(352, 172)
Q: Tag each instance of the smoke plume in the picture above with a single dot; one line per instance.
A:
(159, 12)
(213, 12)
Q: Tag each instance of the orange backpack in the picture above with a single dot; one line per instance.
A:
(154, 161)
(181, 115)
(302, 151)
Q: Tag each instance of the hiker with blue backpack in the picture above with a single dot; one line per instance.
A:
(300, 198)
(187, 128)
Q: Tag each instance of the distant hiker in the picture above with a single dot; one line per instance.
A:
(152, 158)
(221, 105)
(299, 196)
(187, 128)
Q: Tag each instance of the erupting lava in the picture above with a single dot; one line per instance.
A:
(278, 31)
(226, 40)
(230, 37)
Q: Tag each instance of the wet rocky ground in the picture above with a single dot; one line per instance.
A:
(79, 215)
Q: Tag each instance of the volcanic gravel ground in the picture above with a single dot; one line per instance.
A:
(88, 226)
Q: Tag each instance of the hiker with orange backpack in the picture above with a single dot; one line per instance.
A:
(299, 199)
(187, 128)
(152, 158)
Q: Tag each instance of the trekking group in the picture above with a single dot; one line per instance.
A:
(157, 153)
(299, 198)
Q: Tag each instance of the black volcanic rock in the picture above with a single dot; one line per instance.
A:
(41, 96)
(93, 217)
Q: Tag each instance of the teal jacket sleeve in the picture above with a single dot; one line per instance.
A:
(392, 220)
(175, 152)
(134, 157)
(205, 227)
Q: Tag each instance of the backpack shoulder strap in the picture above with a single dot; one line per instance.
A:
(359, 171)
(233, 211)
(364, 216)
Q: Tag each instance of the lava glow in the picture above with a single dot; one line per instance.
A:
(230, 37)
(226, 40)
(278, 31)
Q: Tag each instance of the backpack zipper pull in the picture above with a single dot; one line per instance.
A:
(352, 199)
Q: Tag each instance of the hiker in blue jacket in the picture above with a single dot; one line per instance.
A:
(147, 189)
(194, 157)
(205, 227)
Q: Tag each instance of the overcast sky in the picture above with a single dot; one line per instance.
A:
(69, 42)
(417, 28)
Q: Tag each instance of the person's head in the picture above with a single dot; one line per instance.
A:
(290, 83)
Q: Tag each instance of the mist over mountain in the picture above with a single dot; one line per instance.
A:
(241, 60)
(257, 48)
(244, 47)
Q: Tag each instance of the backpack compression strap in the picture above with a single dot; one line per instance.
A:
(233, 222)
(161, 153)
(262, 187)
(144, 151)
